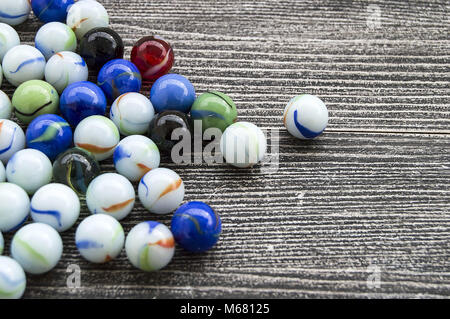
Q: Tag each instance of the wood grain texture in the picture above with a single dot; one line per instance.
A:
(371, 194)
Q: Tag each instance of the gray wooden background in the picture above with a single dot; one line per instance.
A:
(362, 211)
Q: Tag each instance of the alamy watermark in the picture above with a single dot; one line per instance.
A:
(245, 148)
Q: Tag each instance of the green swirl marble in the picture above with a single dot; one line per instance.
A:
(33, 98)
(214, 109)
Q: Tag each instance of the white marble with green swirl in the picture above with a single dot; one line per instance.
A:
(37, 248)
(55, 37)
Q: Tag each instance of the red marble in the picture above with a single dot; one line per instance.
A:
(153, 56)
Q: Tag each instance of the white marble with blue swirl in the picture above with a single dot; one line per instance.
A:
(305, 116)
(56, 205)
(23, 63)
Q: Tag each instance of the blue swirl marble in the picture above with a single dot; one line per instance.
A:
(196, 227)
(10, 282)
(53, 213)
(151, 225)
(80, 100)
(26, 62)
(87, 244)
(119, 154)
(145, 185)
(6, 149)
(172, 92)
(53, 10)
(18, 225)
(117, 77)
(8, 16)
(303, 130)
(50, 134)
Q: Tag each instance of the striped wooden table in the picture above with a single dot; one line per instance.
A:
(362, 211)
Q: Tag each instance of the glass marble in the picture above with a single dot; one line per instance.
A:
(37, 247)
(65, 68)
(214, 109)
(12, 139)
(14, 12)
(1, 75)
(2, 172)
(135, 156)
(86, 15)
(99, 46)
(153, 56)
(150, 246)
(14, 207)
(12, 279)
(56, 205)
(22, 63)
(80, 100)
(2, 243)
(243, 144)
(132, 113)
(99, 238)
(51, 10)
(55, 37)
(33, 98)
(76, 168)
(305, 116)
(29, 169)
(196, 226)
(163, 124)
(5, 106)
(161, 190)
(98, 135)
(8, 39)
(117, 77)
(50, 134)
(110, 194)
(172, 92)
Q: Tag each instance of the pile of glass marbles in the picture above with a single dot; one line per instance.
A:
(72, 124)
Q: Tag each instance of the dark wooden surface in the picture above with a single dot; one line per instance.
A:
(369, 197)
